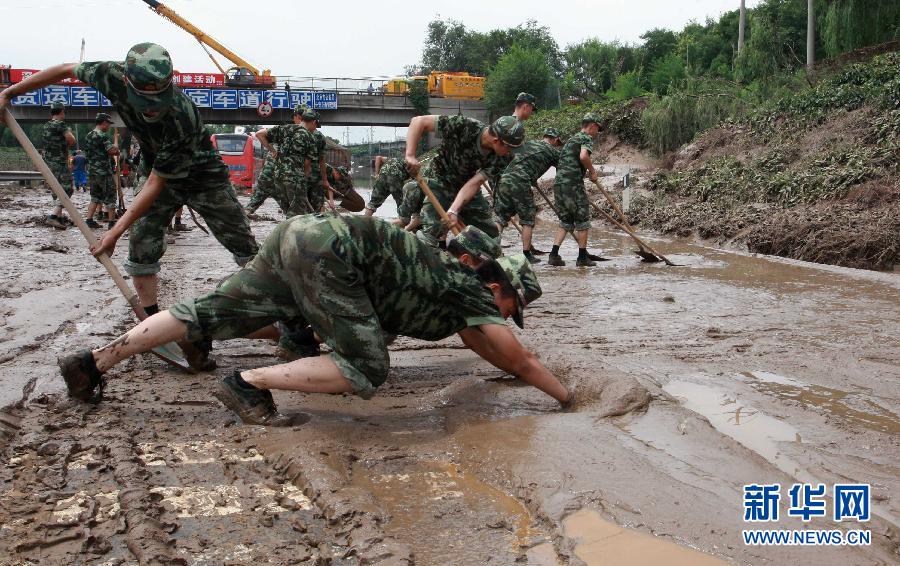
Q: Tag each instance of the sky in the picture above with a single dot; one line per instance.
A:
(357, 39)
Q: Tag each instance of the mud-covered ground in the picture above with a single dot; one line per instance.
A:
(693, 381)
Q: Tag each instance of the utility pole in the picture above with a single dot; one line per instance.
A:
(741, 23)
(810, 35)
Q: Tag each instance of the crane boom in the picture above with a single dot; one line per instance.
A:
(203, 38)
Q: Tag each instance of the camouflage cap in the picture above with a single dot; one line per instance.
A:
(148, 73)
(311, 114)
(524, 281)
(509, 130)
(343, 171)
(551, 133)
(299, 109)
(57, 107)
(103, 117)
(478, 243)
(525, 97)
(590, 117)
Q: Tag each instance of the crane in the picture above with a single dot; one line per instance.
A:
(242, 74)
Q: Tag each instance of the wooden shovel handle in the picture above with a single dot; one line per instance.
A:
(435, 203)
(88, 234)
(624, 225)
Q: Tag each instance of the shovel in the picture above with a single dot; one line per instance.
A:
(121, 209)
(436, 203)
(647, 253)
(170, 352)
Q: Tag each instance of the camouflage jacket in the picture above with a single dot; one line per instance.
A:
(460, 155)
(570, 169)
(295, 145)
(415, 290)
(396, 169)
(268, 171)
(175, 145)
(318, 155)
(53, 136)
(96, 146)
(531, 161)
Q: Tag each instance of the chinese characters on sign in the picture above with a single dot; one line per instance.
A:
(851, 502)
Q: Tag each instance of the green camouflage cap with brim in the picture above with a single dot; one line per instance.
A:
(103, 117)
(57, 107)
(525, 97)
(524, 280)
(478, 243)
(590, 117)
(311, 114)
(510, 131)
(551, 133)
(299, 110)
(343, 171)
(148, 74)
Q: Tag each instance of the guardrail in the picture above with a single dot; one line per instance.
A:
(10, 176)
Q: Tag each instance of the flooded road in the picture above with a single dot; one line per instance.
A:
(692, 381)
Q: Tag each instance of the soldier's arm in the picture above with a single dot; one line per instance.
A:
(138, 207)
(70, 138)
(47, 77)
(263, 137)
(417, 127)
(585, 158)
(467, 193)
(498, 345)
(379, 161)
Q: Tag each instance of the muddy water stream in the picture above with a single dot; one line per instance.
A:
(693, 381)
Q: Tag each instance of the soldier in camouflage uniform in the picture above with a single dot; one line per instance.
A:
(569, 194)
(57, 139)
(317, 185)
(265, 188)
(355, 280)
(99, 150)
(296, 150)
(390, 176)
(339, 181)
(177, 158)
(469, 149)
(513, 195)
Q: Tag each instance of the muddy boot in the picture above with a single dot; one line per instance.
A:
(536, 251)
(585, 262)
(66, 220)
(82, 376)
(295, 344)
(92, 224)
(199, 355)
(529, 255)
(555, 260)
(179, 227)
(53, 220)
(251, 404)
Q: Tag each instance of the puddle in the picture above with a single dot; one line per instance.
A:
(600, 542)
(464, 512)
(750, 427)
(831, 401)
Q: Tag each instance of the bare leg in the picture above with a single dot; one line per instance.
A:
(153, 331)
(110, 213)
(92, 208)
(310, 375)
(527, 231)
(266, 333)
(581, 236)
(146, 287)
(560, 236)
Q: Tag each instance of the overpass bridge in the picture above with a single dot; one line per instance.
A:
(239, 106)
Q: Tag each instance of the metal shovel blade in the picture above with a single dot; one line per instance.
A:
(173, 355)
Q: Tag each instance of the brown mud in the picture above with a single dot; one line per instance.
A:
(692, 381)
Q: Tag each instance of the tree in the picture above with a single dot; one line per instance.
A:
(521, 69)
(665, 72)
(658, 43)
(810, 35)
(741, 25)
(593, 66)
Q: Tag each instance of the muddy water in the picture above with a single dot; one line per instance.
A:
(755, 369)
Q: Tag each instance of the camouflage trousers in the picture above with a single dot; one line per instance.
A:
(572, 204)
(264, 189)
(477, 213)
(103, 190)
(298, 277)
(61, 171)
(315, 194)
(216, 203)
(386, 184)
(513, 196)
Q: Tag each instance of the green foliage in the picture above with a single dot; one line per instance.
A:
(521, 69)
(418, 96)
(847, 24)
(628, 86)
(667, 72)
(622, 118)
(593, 66)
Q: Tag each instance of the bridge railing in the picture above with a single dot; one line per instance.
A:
(372, 86)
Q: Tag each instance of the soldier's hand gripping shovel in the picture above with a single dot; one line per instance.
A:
(647, 253)
(436, 204)
(170, 352)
